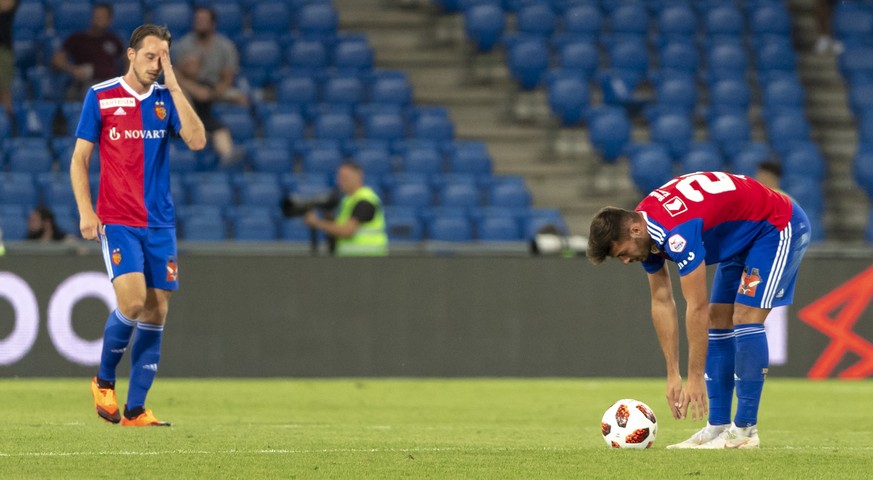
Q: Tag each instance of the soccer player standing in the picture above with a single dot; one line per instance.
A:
(757, 237)
(132, 118)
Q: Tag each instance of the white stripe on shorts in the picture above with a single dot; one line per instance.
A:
(778, 267)
(104, 246)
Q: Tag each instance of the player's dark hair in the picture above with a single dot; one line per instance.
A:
(149, 30)
(771, 166)
(609, 225)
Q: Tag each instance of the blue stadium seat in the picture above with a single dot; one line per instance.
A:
(726, 61)
(72, 17)
(674, 131)
(270, 156)
(36, 118)
(391, 87)
(334, 126)
(784, 130)
(676, 94)
(56, 188)
(177, 16)
(402, 224)
(782, 94)
(803, 160)
(650, 167)
(807, 192)
(317, 20)
(497, 229)
(323, 160)
(182, 159)
(18, 189)
(229, 17)
(202, 224)
(252, 223)
(295, 230)
(746, 159)
(771, 19)
(30, 158)
(5, 126)
(307, 56)
(353, 55)
(384, 125)
(374, 161)
(568, 97)
(343, 90)
(270, 17)
(72, 112)
(676, 57)
(729, 96)
(508, 194)
(66, 218)
(459, 194)
(260, 58)
(484, 25)
(450, 228)
(862, 170)
(536, 19)
(470, 157)
(609, 132)
(629, 60)
(856, 62)
(259, 189)
(13, 220)
(723, 21)
(209, 188)
(30, 17)
(285, 125)
(677, 22)
(540, 217)
(582, 21)
(851, 22)
(579, 57)
(297, 90)
(730, 131)
(702, 157)
(861, 98)
(416, 195)
(775, 57)
(422, 160)
(629, 21)
(433, 123)
(240, 123)
(528, 61)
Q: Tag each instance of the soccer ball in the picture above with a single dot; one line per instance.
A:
(629, 424)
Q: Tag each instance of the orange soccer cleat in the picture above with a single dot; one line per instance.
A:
(105, 402)
(144, 419)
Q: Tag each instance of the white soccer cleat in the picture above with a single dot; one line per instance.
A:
(735, 437)
(705, 435)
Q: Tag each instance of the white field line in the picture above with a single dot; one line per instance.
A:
(357, 450)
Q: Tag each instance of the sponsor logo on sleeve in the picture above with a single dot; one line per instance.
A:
(675, 206)
(676, 243)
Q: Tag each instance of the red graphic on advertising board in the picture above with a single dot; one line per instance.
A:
(834, 315)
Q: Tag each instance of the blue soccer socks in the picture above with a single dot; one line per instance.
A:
(752, 360)
(144, 357)
(720, 375)
(116, 337)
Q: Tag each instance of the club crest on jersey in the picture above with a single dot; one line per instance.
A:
(676, 243)
(172, 270)
(749, 282)
(116, 256)
(160, 110)
(675, 206)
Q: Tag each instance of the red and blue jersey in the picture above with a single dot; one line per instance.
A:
(711, 217)
(133, 132)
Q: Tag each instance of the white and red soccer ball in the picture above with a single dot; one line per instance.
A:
(629, 424)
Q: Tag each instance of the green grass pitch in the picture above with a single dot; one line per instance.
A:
(417, 428)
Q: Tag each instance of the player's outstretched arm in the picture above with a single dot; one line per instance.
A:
(696, 327)
(192, 131)
(89, 223)
(666, 325)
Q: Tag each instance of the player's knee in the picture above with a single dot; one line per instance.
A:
(156, 314)
(132, 309)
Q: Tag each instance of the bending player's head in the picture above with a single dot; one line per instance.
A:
(147, 43)
(616, 232)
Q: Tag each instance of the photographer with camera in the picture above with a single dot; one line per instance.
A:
(359, 226)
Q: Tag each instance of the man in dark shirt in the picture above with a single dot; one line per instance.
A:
(92, 55)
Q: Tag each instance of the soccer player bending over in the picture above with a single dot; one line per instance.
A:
(757, 237)
(132, 118)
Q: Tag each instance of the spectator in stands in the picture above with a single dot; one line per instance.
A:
(93, 55)
(824, 12)
(41, 226)
(359, 227)
(208, 64)
(7, 63)
(770, 174)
